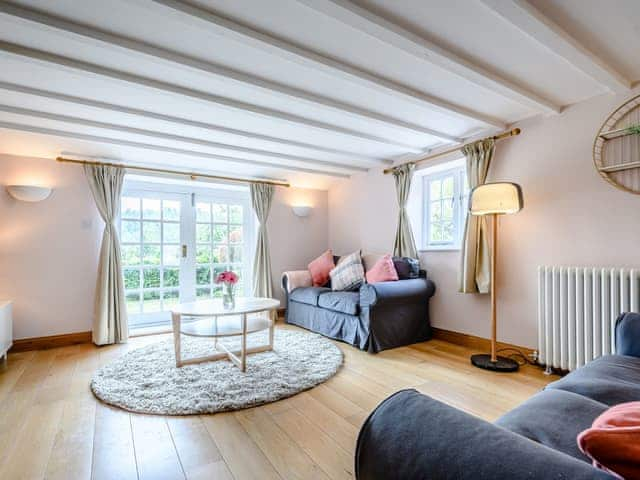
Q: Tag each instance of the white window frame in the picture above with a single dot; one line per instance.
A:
(460, 201)
(190, 194)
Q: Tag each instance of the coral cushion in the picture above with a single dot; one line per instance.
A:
(382, 271)
(613, 441)
(320, 268)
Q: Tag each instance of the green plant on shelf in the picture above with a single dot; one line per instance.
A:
(633, 130)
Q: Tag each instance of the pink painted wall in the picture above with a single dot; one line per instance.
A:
(49, 250)
(571, 217)
(296, 241)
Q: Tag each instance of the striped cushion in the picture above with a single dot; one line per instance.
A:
(348, 274)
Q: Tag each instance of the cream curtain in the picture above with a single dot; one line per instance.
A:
(110, 323)
(261, 197)
(405, 245)
(475, 275)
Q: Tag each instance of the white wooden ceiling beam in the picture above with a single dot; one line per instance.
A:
(173, 57)
(425, 50)
(550, 35)
(330, 66)
(159, 148)
(72, 99)
(90, 68)
(176, 138)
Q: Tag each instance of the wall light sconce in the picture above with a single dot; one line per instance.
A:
(302, 210)
(29, 193)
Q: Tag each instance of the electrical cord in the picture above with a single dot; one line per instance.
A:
(518, 356)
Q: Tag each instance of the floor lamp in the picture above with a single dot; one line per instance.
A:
(495, 199)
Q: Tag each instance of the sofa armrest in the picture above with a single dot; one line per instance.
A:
(295, 279)
(401, 291)
(628, 334)
(412, 436)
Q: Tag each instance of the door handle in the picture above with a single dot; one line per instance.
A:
(184, 251)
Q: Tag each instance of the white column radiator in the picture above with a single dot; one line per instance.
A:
(577, 310)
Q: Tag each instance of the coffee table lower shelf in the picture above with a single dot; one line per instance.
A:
(217, 324)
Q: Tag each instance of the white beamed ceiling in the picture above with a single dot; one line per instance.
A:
(305, 90)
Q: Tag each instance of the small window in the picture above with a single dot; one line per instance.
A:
(445, 195)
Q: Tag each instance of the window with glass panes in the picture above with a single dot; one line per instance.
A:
(150, 243)
(445, 208)
(220, 244)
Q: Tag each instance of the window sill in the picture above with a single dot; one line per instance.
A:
(437, 249)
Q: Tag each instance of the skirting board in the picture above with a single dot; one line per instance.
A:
(64, 340)
(54, 341)
(457, 338)
(471, 341)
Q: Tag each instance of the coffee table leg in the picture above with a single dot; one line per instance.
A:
(175, 318)
(243, 351)
(271, 328)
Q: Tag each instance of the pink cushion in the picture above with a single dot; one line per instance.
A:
(613, 441)
(382, 271)
(320, 268)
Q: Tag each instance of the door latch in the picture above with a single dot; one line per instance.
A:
(184, 251)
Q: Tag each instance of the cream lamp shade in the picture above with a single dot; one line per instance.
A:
(495, 199)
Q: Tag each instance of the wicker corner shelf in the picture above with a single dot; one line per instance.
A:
(620, 132)
(616, 148)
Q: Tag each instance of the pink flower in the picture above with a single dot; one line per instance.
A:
(227, 277)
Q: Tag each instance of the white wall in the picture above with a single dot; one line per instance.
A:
(49, 250)
(296, 241)
(571, 217)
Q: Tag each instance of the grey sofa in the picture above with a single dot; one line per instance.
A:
(377, 317)
(412, 436)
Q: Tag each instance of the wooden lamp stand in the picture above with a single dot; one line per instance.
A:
(495, 199)
(493, 361)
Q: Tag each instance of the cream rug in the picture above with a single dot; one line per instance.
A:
(146, 380)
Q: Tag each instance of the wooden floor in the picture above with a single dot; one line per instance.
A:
(52, 427)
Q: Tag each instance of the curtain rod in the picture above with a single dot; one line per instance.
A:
(191, 175)
(507, 134)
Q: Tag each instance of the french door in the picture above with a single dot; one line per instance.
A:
(175, 240)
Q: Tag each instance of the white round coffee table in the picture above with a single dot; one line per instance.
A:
(209, 318)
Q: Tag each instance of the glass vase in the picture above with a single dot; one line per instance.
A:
(228, 296)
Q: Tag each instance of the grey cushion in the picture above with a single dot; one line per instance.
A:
(343, 302)
(406, 267)
(308, 295)
(610, 379)
(554, 418)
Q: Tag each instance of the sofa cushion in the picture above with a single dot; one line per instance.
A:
(320, 268)
(348, 274)
(554, 418)
(308, 295)
(406, 267)
(382, 271)
(613, 442)
(343, 302)
(610, 379)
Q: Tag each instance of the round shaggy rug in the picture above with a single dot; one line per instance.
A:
(146, 380)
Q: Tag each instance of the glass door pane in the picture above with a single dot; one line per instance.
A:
(221, 244)
(151, 235)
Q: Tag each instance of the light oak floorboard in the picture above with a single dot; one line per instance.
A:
(243, 457)
(74, 435)
(156, 455)
(284, 454)
(52, 427)
(113, 452)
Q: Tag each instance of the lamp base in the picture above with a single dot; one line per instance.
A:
(502, 364)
